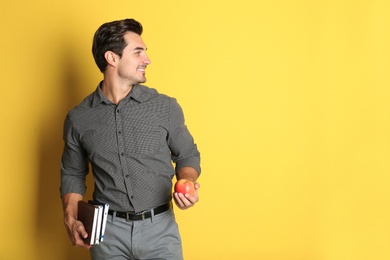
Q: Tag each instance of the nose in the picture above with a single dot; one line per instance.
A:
(146, 59)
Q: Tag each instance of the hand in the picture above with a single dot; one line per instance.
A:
(185, 201)
(76, 232)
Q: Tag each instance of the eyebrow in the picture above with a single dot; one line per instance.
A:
(139, 49)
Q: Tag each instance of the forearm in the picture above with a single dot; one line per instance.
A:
(188, 173)
(70, 206)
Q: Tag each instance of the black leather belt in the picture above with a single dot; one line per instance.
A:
(132, 216)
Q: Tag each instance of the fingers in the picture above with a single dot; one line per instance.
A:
(77, 234)
(185, 201)
(181, 201)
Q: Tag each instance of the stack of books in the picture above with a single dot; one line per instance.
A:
(93, 214)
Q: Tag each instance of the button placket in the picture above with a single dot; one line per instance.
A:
(122, 152)
(119, 126)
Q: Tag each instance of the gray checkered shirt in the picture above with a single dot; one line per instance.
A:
(130, 147)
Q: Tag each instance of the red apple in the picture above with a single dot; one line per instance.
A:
(185, 186)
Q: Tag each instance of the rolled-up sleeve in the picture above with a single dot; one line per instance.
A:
(74, 163)
(183, 149)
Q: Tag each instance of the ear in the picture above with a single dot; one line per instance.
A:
(110, 57)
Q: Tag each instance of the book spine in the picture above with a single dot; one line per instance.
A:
(93, 232)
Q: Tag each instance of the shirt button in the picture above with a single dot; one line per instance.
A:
(132, 197)
(122, 154)
(127, 176)
(119, 132)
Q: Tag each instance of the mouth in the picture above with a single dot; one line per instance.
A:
(141, 69)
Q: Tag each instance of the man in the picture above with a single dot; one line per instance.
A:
(129, 134)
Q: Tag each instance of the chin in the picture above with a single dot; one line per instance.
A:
(143, 80)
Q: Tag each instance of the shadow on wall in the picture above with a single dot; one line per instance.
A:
(51, 236)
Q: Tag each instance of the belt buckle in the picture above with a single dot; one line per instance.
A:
(128, 214)
(128, 218)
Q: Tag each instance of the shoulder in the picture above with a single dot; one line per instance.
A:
(82, 108)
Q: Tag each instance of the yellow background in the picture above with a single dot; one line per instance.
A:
(288, 102)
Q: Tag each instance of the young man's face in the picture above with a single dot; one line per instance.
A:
(134, 60)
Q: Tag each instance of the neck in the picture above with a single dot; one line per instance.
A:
(115, 91)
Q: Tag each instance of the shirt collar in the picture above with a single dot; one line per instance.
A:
(142, 93)
(98, 96)
(136, 93)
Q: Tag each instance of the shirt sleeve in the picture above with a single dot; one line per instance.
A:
(74, 163)
(183, 149)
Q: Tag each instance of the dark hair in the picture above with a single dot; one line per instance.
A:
(110, 37)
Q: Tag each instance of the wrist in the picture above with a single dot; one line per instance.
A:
(69, 218)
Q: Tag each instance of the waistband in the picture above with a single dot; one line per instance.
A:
(131, 216)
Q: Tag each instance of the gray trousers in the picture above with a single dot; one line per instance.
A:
(155, 238)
